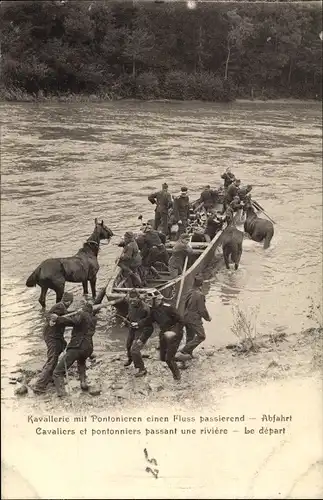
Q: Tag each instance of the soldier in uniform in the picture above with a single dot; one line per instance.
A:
(182, 210)
(208, 197)
(140, 330)
(180, 251)
(163, 201)
(54, 339)
(231, 193)
(171, 331)
(80, 346)
(228, 177)
(130, 259)
(195, 310)
(245, 193)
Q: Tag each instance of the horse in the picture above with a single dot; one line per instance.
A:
(259, 229)
(232, 246)
(81, 268)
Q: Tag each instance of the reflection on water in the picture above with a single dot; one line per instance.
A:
(63, 165)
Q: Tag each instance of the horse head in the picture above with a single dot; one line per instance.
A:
(102, 231)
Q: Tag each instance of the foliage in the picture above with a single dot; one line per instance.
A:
(216, 51)
(245, 328)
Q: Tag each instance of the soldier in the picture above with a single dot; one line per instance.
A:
(195, 310)
(54, 338)
(182, 210)
(180, 251)
(209, 197)
(80, 346)
(245, 193)
(130, 260)
(236, 204)
(140, 330)
(231, 193)
(163, 201)
(228, 177)
(171, 331)
(150, 238)
(214, 224)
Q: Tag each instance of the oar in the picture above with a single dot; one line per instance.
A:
(182, 280)
(257, 206)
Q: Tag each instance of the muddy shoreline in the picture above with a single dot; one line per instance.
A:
(271, 357)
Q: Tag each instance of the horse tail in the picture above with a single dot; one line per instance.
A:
(33, 278)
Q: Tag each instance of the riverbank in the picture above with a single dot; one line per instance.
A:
(20, 96)
(268, 358)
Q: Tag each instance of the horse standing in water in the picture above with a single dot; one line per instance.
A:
(81, 268)
(257, 228)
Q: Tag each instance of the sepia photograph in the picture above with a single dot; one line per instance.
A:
(161, 249)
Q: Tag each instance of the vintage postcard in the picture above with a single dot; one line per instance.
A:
(161, 249)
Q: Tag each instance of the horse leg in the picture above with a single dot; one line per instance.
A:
(59, 290)
(226, 255)
(93, 286)
(42, 297)
(85, 287)
(267, 240)
(237, 260)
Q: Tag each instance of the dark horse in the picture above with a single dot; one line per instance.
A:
(259, 229)
(232, 240)
(81, 268)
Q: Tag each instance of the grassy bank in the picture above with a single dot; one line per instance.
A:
(268, 358)
(16, 95)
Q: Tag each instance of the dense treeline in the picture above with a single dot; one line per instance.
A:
(161, 50)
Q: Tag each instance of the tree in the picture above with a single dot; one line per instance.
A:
(241, 29)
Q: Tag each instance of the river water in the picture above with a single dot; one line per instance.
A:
(65, 164)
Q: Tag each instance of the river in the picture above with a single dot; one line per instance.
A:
(65, 164)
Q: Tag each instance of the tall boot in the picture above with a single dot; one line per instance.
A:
(82, 375)
(59, 386)
(174, 369)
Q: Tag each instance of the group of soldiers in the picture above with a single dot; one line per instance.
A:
(144, 253)
(143, 311)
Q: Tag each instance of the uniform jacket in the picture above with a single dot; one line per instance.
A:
(208, 197)
(162, 199)
(213, 226)
(228, 179)
(152, 238)
(180, 251)
(166, 316)
(131, 255)
(232, 192)
(195, 308)
(83, 324)
(236, 205)
(57, 330)
(141, 314)
(181, 208)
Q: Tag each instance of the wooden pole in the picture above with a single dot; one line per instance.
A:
(182, 280)
(262, 211)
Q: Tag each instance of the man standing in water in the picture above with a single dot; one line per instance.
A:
(195, 310)
(80, 346)
(171, 331)
(54, 339)
(163, 201)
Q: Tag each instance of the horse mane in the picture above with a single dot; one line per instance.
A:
(90, 246)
